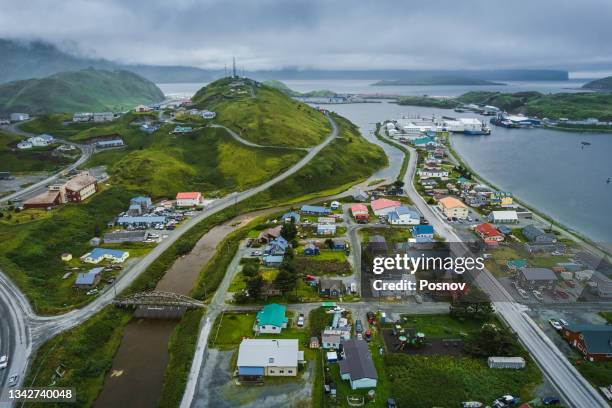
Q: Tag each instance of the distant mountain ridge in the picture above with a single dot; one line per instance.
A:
(36, 59)
(78, 91)
(436, 80)
(603, 84)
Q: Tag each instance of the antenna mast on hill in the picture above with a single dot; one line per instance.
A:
(234, 67)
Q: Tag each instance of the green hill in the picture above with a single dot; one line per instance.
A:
(580, 105)
(263, 114)
(603, 84)
(281, 86)
(76, 91)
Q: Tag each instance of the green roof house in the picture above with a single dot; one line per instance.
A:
(515, 264)
(271, 319)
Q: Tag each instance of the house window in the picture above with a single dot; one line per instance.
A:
(290, 371)
(271, 371)
(282, 371)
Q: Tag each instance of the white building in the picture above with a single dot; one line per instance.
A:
(41, 140)
(189, 199)
(208, 114)
(24, 145)
(504, 217)
(103, 117)
(404, 216)
(268, 357)
(18, 117)
(82, 117)
(433, 173)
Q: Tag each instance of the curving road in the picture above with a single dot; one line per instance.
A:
(242, 140)
(22, 331)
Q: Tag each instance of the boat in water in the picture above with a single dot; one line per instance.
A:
(485, 130)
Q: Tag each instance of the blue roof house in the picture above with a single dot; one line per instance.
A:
(315, 210)
(271, 319)
(88, 280)
(326, 229)
(426, 231)
(311, 250)
(277, 246)
(292, 215)
(97, 255)
(273, 260)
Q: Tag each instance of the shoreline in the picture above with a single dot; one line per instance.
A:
(556, 225)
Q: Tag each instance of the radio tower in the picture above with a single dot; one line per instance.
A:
(234, 67)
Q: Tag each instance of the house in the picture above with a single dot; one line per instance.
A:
(331, 338)
(269, 234)
(514, 264)
(291, 216)
(47, 199)
(326, 220)
(536, 235)
(143, 202)
(357, 366)
(95, 241)
(593, 341)
(377, 244)
(339, 245)
(148, 128)
(189, 199)
(97, 255)
(331, 287)
(534, 278)
(404, 215)
(5, 175)
(504, 217)
(23, 145)
(488, 232)
(271, 319)
(258, 358)
(314, 342)
(110, 143)
(103, 117)
(601, 285)
(326, 229)
(502, 199)
(208, 114)
(273, 261)
(383, 206)
(423, 231)
(141, 220)
(515, 363)
(80, 187)
(452, 207)
(433, 172)
(423, 142)
(277, 246)
(360, 196)
(124, 236)
(66, 256)
(19, 117)
(534, 247)
(182, 129)
(504, 230)
(315, 210)
(475, 199)
(359, 212)
(41, 140)
(311, 249)
(82, 117)
(142, 108)
(88, 280)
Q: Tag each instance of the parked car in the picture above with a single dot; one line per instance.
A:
(12, 381)
(570, 283)
(256, 253)
(3, 362)
(300, 320)
(556, 324)
(391, 403)
(563, 322)
(471, 404)
(358, 326)
(92, 292)
(551, 401)
(506, 401)
(371, 317)
(523, 293)
(538, 295)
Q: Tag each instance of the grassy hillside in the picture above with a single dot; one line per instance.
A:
(442, 103)
(569, 105)
(86, 90)
(262, 114)
(31, 160)
(281, 86)
(603, 84)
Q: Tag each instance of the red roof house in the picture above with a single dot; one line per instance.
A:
(489, 233)
(360, 212)
(384, 206)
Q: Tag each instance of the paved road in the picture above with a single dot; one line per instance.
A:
(576, 391)
(34, 330)
(242, 140)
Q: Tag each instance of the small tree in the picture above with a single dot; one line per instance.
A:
(473, 305)
(254, 286)
(250, 269)
(329, 243)
(289, 231)
(493, 340)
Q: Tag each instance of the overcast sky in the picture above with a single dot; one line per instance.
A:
(338, 34)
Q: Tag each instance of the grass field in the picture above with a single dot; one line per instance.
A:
(29, 160)
(271, 118)
(393, 234)
(86, 354)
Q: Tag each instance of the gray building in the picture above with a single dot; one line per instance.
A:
(537, 236)
(534, 278)
(601, 285)
(357, 366)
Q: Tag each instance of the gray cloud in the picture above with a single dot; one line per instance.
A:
(324, 33)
